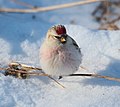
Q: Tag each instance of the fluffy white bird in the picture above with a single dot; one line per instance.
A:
(59, 53)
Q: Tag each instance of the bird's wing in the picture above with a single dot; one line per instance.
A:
(75, 44)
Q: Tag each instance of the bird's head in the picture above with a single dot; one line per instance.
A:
(57, 34)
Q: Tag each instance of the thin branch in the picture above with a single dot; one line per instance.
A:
(57, 82)
(115, 20)
(22, 69)
(14, 72)
(98, 76)
(22, 3)
(43, 74)
(41, 9)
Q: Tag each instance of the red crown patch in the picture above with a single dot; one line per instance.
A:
(60, 29)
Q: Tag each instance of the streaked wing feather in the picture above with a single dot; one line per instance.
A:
(75, 44)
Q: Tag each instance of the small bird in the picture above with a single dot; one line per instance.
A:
(59, 53)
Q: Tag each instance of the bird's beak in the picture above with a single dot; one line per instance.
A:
(62, 39)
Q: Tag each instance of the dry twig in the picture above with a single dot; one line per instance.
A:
(98, 76)
(107, 16)
(23, 3)
(22, 70)
(41, 9)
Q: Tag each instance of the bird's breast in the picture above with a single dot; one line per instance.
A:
(59, 61)
(56, 54)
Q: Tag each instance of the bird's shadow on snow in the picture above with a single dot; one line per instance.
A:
(112, 70)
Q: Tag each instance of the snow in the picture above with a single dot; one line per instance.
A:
(20, 39)
(101, 55)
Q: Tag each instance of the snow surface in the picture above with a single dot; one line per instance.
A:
(101, 55)
(20, 39)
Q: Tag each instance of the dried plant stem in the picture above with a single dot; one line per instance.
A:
(41, 9)
(43, 74)
(13, 71)
(57, 82)
(98, 76)
(22, 3)
(25, 69)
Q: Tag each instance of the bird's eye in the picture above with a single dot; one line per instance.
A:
(57, 37)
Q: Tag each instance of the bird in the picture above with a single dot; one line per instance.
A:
(60, 55)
